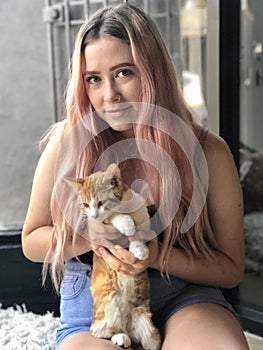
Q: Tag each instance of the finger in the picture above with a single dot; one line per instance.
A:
(111, 260)
(106, 243)
(124, 255)
(94, 246)
(116, 250)
(110, 244)
(143, 236)
(127, 265)
(97, 252)
(98, 230)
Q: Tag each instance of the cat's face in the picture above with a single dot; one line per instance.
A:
(100, 192)
(91, 202)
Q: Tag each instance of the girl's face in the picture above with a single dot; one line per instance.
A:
(112, 81)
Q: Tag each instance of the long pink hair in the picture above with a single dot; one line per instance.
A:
(159, 87)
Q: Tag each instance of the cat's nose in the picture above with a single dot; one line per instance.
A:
(94, 214)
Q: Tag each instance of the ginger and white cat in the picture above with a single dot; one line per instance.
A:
(121, 302)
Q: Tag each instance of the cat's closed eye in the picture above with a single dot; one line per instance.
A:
(86, 205)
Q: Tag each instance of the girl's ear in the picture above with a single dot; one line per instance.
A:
(75, 183)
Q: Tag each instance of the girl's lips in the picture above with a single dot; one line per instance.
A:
(116, 112)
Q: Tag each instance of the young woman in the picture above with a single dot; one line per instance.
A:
(120, 70)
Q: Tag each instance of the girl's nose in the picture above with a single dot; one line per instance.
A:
(111, 93)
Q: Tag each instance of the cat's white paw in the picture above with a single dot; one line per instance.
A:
(121, 339)
(124, 224)
(139, 250)
(100, 330)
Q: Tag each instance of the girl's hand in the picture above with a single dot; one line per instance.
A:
(97, 232)
(123, 261)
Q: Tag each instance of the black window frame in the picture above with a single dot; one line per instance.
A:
(251, 316)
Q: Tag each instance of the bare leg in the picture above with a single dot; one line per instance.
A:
(85, 341)
(203, 326)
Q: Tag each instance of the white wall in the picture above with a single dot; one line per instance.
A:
(25, 101)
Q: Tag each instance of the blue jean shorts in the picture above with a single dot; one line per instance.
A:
(76, 303)
(167, 297)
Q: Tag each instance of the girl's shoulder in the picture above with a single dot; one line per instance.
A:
(53, 135)
(50, 146)
(212, 144)
(219, 157)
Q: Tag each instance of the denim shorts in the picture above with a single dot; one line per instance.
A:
(76, 303)
(167, 297)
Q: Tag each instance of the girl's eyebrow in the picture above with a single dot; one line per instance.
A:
(90, 72)
(123, 64)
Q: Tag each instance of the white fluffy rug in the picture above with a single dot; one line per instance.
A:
(255, 342)
(24, 330)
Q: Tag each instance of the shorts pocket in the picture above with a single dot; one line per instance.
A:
(72, 285)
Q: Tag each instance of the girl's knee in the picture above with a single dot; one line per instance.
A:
(204, 327)
(85, 341)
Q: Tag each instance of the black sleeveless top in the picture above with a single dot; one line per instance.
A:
(86, 258)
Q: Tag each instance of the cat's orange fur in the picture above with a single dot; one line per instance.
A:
(121, 302)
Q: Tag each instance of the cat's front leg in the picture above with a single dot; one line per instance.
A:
(124, 224)
(100, 329)
(139, 250)
(121, 339)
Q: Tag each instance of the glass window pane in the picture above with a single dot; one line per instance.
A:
(193, 23)
(251, 147)
(25, 107)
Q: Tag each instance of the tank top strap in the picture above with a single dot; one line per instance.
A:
(203, 135)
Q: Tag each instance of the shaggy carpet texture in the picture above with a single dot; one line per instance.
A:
(24, 330)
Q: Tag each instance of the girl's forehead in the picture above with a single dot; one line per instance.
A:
(107, 49)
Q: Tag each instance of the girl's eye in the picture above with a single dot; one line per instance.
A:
(92, 79)
(124, 72)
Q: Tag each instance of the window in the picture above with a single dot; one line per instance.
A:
(251, 148)
(25, 109)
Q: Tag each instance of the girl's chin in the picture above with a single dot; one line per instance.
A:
(124, 128)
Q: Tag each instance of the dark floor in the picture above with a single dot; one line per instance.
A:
(251, 289)
(21, 280)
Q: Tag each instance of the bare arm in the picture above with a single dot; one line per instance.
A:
(225, 206)
(37, 231)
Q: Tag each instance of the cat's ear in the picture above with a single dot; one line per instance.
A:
(75, 183)
(113, 173)
(113, 170)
